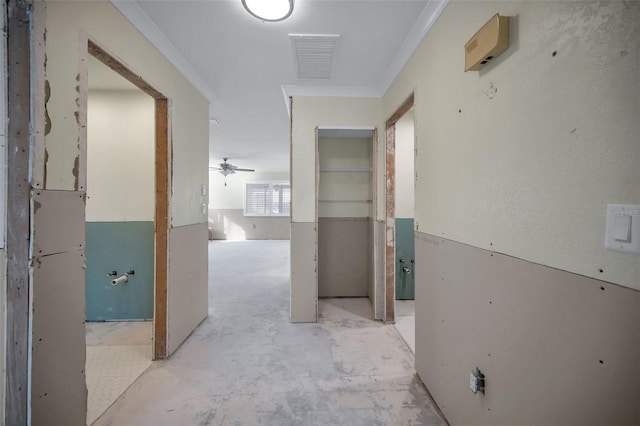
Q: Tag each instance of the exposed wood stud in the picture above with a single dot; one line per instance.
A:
(389, 311)
(402, 110)
(17, 297)
(162, 228)
(110, 61)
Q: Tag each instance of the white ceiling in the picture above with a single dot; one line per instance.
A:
(246, 67)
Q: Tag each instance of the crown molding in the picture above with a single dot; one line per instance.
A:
(332, 91)
(419, 31)
(328, 91)
(138, 17)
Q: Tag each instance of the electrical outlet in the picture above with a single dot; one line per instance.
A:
(476, 381)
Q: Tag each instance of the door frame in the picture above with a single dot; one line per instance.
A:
(374, 200)
(162, 186)
(390, 209)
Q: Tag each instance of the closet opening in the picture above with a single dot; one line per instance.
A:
(345, 212)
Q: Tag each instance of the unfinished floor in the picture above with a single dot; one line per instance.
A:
(406, 322)
(247, 364)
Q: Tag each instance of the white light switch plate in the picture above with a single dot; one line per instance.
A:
(623, 228)
(473, 383)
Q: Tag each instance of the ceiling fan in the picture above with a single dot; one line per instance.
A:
(228, 169)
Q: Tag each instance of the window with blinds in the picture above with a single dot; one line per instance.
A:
(267, 199)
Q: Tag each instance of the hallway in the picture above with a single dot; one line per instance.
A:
(247, 364)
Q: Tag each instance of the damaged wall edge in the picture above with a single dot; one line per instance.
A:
(19, 112)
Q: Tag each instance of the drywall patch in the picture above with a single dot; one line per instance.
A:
(58, 377)
(509, 313)
(304, 275)
(58, 221)
(491, 91)
(344, 249)
(188, 284)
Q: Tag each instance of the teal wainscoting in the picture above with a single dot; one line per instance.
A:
(122, 247)
(405, 250)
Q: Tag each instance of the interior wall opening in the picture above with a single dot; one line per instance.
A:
(345, 213)
(395, 270)
(404, 228)
(123, 233)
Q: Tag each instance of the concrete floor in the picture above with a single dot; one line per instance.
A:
(247, 364)
(406, 322)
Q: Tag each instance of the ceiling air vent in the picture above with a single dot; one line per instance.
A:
(314, 55)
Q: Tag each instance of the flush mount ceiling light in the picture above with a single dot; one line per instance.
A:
(269, 10)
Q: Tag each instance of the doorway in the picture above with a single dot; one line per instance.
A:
(404, 228)
(126, 218)
(345, 212)
(399, 252)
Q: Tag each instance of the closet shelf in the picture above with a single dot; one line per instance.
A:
(345, 201)
(346, 169)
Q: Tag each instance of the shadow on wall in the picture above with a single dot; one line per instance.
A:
(233, 225)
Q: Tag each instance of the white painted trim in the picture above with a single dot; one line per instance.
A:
(331, 91)
(336, 92)
(137, 16)
(423, 24)
(346, 128)
(286, 99)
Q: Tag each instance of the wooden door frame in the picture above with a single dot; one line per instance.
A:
(162, 185)
(390, 208)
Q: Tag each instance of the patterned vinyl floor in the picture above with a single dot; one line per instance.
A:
(117, 354)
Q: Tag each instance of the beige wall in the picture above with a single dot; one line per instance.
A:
(68, 25)
(309, 113)
(231, 196)
(405, 179)
(516, 165)
(120, 156)
(226, 209)
(524, 156)
(59, 165)
(232, 224)
(345, 193)
(521, 159)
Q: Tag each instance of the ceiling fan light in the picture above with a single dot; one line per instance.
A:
(269, 10)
